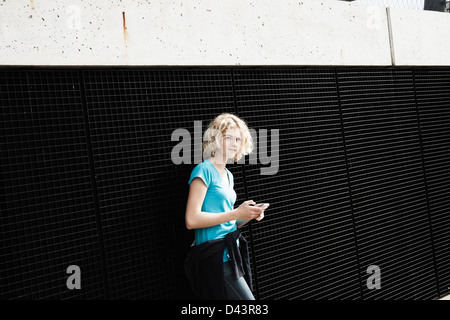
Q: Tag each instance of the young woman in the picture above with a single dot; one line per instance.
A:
(210, 205)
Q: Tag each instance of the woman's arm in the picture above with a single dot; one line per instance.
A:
(195, 218)
(241, 222)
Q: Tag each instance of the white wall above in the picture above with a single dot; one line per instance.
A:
(214, 32)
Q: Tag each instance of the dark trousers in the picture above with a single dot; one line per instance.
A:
(235, 289)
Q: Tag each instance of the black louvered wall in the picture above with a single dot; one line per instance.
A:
(47, 220)
(433, 104)
(362, 172)
(387, 181)
(306, 246)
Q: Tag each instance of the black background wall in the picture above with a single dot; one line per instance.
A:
(88, 180)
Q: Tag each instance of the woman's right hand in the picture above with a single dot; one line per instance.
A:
(247, 211)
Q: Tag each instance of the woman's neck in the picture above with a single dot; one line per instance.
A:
(218, 165)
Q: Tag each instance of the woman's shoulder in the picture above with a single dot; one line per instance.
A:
(202, 171)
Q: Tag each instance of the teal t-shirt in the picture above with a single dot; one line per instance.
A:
(219, 197)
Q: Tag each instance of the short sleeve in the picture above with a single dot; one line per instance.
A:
(202, 173)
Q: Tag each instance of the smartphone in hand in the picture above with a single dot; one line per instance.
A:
(264, 205)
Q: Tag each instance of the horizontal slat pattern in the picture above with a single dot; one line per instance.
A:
(387, 182)
(433, 100)
(47, 215)
(305, 245)
(362, 179)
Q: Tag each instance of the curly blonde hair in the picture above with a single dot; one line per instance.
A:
(220, 125)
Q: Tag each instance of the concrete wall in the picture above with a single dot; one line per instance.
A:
(216, 32)
(421, 38)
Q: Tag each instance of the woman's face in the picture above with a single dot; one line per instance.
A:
(231, 143)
